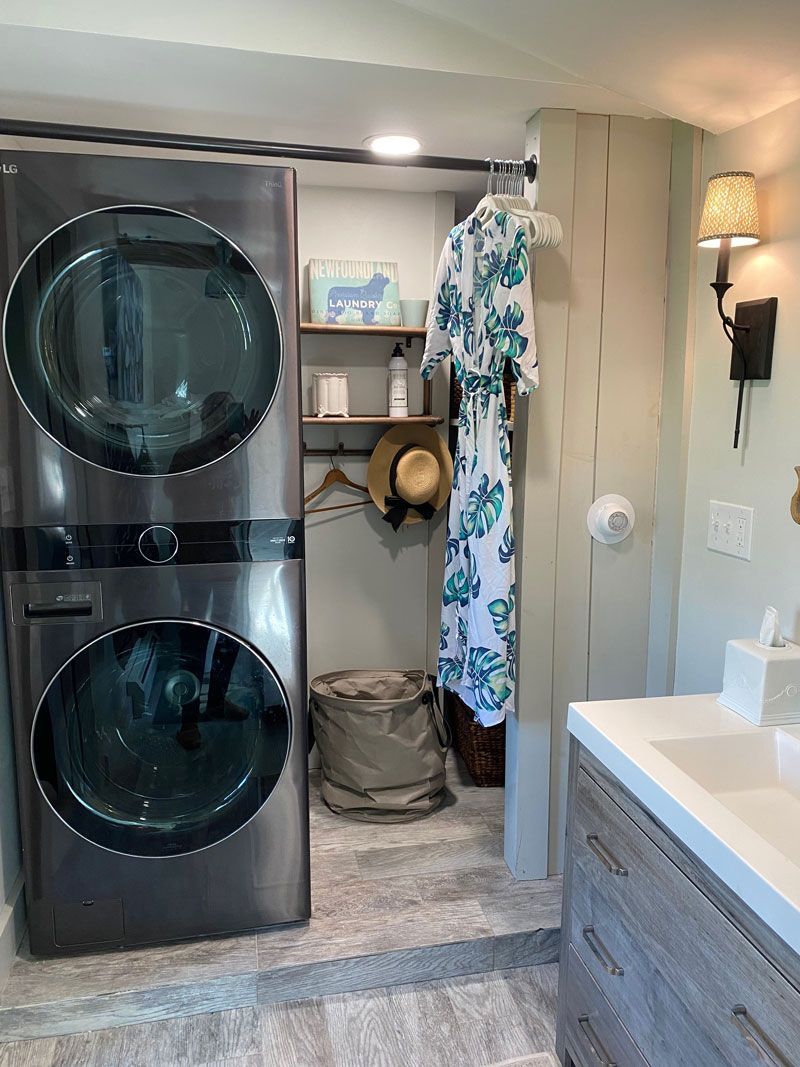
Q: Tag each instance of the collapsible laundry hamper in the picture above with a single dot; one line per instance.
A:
(382, 742)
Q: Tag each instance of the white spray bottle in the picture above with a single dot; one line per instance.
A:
(398, 384)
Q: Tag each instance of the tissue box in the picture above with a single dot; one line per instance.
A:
(762, 684)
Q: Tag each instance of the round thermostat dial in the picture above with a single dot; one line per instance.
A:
(611, 519)
(158, 544)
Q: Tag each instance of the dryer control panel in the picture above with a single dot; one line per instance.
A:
(63, 548)
(158, 544)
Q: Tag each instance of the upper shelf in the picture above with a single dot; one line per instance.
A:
(376, 331)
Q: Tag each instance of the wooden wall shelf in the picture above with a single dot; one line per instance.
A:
(375, 331)
(371, 420)
(408, 332)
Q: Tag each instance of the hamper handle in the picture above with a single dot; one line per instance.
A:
(441, 725)
(311, 733)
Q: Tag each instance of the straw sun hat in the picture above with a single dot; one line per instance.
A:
(410, 474)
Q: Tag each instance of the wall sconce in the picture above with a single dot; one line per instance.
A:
(730, 218)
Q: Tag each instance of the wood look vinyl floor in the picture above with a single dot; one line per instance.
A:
(391, 905)
(500, 1018)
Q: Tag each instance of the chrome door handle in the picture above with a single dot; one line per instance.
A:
(594, 1044)
(605, 857)
(607, 961)
(755, 1036)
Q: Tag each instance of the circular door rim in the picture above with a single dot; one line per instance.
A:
(224, 237)
(181, 622)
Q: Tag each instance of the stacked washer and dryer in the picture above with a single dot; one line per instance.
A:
(152, 546)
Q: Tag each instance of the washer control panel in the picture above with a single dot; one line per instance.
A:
(158, 544)
(69, 548)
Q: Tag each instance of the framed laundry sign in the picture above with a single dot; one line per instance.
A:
(353, 292)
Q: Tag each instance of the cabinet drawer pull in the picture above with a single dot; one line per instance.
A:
(594, 1044)
(607, 961)
(605, 857)
(767, 1052)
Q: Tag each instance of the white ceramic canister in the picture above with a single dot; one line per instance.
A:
(331, 393)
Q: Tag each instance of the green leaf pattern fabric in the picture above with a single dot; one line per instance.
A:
(484, 507)
(502, 611)
(457, 589)
(482, 316)
(506, 550)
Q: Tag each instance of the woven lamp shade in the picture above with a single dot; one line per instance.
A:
(730, 210)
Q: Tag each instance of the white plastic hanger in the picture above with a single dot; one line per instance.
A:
(487, 207)
(541, 229)
(501, 199)
(508, 175)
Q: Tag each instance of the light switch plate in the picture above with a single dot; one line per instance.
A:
(730, 529)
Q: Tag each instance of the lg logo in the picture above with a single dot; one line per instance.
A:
(8, 168)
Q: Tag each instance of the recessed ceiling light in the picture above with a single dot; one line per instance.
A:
(393, 144)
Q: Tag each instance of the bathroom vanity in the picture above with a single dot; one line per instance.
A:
(681, 921)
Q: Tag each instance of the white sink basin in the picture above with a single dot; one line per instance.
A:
(728, 790)
(753, 773)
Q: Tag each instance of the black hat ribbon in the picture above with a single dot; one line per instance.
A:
(397, 506)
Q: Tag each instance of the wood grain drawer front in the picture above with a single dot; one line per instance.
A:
(688, 985)
(595, 1036)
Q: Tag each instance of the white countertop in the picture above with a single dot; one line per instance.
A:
(618, 732)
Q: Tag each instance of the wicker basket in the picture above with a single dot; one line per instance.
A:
(510, 393)
(482, 748)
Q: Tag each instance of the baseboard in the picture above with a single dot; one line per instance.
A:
(12, 927)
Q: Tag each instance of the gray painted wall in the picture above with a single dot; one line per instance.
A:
(722, 597)
(367, 585)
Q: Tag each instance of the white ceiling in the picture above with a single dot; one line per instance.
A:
(713, 63)
(463, 75)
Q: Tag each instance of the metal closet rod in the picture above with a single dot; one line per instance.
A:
(340, 450)
(277, 149)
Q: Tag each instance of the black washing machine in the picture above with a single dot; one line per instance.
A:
(160, 731)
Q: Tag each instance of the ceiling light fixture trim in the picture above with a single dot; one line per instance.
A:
(393, 144)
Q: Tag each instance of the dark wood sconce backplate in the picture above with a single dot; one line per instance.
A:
(757, 341)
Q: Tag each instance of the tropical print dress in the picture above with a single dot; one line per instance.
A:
(482, 315)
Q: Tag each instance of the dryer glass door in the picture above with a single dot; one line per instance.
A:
(142, 340)
(161, 738)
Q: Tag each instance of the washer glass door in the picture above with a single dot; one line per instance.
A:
(142, 340)
(161, 738)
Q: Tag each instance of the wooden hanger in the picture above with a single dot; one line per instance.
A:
(339, 507)
(333, 477)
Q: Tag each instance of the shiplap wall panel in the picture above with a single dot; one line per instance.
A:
(686, 201)
(631, 359)
(574, 561)
(537, 472)
(583, 609)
